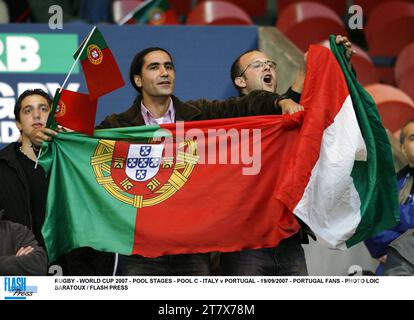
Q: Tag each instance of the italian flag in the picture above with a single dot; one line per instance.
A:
(340, 178)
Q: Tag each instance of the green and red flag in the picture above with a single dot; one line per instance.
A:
(126, 190)
(101, 71)
(76, 111)
(155, 191)
(152, 12)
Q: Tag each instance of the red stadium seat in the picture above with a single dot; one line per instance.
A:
(407, 83)
(256, 8)
(369, 5)
(218, 13)
(389, 29)
(387, 18)
(339, 6)
(394, 106)
(306, 23)
(365, 69)
(181, 7)
(405, 62)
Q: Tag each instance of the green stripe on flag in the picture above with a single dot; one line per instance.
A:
(374, 179)
(93, 217)
(96, 39)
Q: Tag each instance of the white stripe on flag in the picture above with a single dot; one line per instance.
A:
(330, 205)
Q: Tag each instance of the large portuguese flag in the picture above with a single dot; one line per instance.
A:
(228, 184)
(207, 187)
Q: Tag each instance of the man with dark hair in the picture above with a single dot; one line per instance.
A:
(23, 187)
(152, 74)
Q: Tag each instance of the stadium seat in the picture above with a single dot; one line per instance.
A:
(405, 62)
(339, 6)
(389, 29)
(407, 83)
(393, 20)
(364, 67)
(369, 5)
(305, 23)
(394, 106)
(255, 8)
(181, 7)
(218, 13)
(404, 70)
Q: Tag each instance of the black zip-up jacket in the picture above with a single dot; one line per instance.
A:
(14, 188)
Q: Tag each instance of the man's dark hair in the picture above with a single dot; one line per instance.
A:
(402, 134)
(235, 69)
(138, 62)
(27, 93)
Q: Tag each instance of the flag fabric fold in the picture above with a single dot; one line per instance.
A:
(101, 71)
(340, 179)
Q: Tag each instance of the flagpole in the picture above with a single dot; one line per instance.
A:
(67, 77)
(77, 58)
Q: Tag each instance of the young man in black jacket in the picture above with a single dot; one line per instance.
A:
(23, 187)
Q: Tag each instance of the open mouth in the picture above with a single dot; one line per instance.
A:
(268, 79)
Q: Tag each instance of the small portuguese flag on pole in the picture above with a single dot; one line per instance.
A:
(101, 71)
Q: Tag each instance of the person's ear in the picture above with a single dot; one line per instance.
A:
(19, 126)
(138, 80)
(240, 82)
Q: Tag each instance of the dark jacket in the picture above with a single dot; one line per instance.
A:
(14, 236)
(256, 103)
(14, 188)
(400, 260)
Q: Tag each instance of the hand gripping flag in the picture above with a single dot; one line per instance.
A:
(101, 71)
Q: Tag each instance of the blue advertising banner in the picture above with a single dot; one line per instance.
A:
(33, 56)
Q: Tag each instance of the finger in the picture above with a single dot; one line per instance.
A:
(26, 251)
(18, 253)
(338, 39)
(49, 132)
